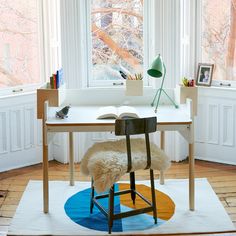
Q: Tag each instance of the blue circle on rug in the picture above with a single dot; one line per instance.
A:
(77, 208)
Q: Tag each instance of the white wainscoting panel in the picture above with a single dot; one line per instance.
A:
(20, 132)
(111, 136)
(59, 149)
(29, 126)
(98, 137)
(82, 141)
(228, 121)
(213, 123)
(216, 121)
(4, 127)
(16, 128)
(200, 124)
(39, 133)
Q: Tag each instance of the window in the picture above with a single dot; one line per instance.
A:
(117, 43)
(218, 35)
(19, 43)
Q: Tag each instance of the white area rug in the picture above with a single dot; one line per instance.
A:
(209, 216)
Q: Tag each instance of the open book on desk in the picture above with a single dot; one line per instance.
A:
(112, 112)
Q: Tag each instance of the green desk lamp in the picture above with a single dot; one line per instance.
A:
(158, 70)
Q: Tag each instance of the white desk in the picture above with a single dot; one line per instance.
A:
(83, 119)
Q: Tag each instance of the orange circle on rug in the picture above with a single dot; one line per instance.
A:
(165, 205)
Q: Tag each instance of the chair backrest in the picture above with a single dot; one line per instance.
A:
(136, 126)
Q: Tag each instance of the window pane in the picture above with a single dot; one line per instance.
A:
(19, 45)
(219, 37)
(117, 38)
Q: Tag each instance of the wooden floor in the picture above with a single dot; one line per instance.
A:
(12, 184)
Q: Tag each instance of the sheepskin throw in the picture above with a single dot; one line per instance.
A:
(106, 162)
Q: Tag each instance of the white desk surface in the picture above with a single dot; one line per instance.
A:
(86, 115)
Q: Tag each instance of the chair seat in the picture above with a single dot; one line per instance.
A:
(106, 162)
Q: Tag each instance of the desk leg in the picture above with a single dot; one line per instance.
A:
(162, 178)
(71, 161)
(191, 177)
(45, 171)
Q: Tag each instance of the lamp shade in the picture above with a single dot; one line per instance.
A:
(157, 67)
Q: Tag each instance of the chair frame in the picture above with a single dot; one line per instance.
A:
(129, 127)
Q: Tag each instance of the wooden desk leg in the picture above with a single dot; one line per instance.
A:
(71, 161)
(162, 178)
(45, 171)
(191, 177)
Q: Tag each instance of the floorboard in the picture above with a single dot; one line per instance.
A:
(12, 184)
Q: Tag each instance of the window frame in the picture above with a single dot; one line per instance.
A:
(19, 89)
(216, 83)
(88, 49)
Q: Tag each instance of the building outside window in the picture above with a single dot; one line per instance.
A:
(19, 43)
(218, 37)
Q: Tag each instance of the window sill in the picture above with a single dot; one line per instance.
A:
(19, 91)
(218, 88)
(121, 87)
(18, 94)
(217, 92)
(227, 84)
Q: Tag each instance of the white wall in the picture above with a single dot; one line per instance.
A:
(215, 126)
(20, 132)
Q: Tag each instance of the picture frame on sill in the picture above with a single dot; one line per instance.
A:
(204, 74)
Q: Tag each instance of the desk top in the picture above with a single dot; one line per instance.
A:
(86, 116)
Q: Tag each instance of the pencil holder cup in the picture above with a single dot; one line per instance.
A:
(134, 88)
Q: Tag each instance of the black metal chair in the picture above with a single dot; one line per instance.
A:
(129, 127)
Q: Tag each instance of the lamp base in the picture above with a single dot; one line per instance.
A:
(159, 91)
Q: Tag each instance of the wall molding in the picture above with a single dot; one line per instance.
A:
(16, 129)
(228, 127)
(216, 125)
(213, 112)
(21, 132)
(29, 126)
(4, 127)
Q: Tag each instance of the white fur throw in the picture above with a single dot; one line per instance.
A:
(106, 162)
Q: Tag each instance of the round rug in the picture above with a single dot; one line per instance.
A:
(77, 207)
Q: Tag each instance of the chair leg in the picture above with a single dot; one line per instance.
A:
(153, 196)
(132, 186)
(91, 197)
(111, 209)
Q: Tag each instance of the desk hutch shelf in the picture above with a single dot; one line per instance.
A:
(55, 98)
